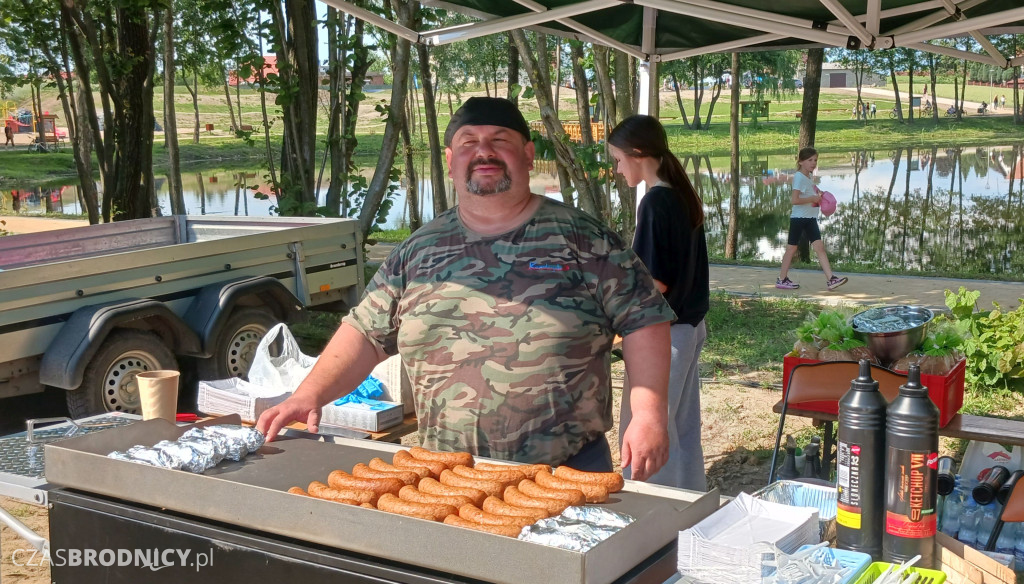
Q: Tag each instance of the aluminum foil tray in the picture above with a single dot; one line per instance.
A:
(253, 494)
(800, 494)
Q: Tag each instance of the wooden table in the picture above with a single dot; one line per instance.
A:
(965, 426)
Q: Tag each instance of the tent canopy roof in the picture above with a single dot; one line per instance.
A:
(661, 30)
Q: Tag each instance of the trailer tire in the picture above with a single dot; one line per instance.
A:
(108, 384)
(235, 345)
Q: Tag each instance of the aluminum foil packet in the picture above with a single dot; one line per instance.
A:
(198, 449)
(250, 437)
(145, 455)
(184, 456)
(578, 528)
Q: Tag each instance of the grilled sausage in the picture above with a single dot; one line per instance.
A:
(403, 459)
(348, 496)
(339, 479)
(475, 514)
(365, 472)
(435, 487)
(509, 475)
(429, 511)
(513, 496)
(506, 530)
(451, 479)
(298, 491)
(411, 493)
(499, 507)
(570, 496)
(530, 470)
(450, 459)
(379, 464)
(594, 493)
(611, 480)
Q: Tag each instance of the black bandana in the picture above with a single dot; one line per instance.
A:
(487, 111)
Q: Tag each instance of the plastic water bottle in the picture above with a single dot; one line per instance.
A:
(951, 511)
(969, 522)
(987, 523)
(1007, 538)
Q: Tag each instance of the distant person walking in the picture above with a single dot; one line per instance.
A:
(8, 135)
(804, 220)
(874, 109)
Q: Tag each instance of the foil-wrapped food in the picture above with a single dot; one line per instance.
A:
(198, 449)
(578, 528)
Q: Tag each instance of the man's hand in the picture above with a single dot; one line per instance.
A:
(645, 447)
(295, 408)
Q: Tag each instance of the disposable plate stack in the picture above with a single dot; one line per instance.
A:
(237, 396)
(737, 544)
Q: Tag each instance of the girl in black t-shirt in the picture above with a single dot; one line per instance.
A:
(670, 241)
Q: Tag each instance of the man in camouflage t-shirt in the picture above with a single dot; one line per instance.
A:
(504, 310)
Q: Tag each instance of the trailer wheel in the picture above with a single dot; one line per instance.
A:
(108, 384)
(235, 345)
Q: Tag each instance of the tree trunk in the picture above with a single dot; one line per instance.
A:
(359, 66)
(400, 79)
(300, 74)
(623, 87)
(679, 99)
(895, 90)
(412, 191)
(933, 74)
(579, 76)
(235, 126)
(336, 81)
(83, 154)
(513, 70)
(194, 91)
(437, 182)
(565, 154)
(602, 69)
(732, 237)
(170, 123)
(812, 92)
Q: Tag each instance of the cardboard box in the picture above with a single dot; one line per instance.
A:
(945, 391)
(370, 415)
(963, 564)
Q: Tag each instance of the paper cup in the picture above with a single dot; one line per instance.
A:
(158, 394)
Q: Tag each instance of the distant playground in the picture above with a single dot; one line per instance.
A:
(23, 121)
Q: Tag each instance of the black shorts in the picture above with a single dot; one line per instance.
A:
(798, 226)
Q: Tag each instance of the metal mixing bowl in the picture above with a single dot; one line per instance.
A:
(897, 338)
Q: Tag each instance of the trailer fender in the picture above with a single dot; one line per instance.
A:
(66, 358)
(214, 304)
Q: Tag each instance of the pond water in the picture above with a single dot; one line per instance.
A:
(955, 210)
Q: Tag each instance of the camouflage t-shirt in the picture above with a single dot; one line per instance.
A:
(507, 338)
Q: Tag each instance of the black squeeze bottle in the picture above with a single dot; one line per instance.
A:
(912, 444)
(860, 466)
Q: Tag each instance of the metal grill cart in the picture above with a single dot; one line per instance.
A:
(242, 518)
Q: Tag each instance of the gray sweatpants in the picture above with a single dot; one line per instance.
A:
(685, 466)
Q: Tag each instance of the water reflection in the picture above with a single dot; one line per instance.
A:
(954, 210)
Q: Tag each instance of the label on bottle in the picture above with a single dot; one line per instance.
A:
(848, 511)
(910, 493)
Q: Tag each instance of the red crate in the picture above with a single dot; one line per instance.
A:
(945, 391)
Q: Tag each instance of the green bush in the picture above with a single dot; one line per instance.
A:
(995, 347)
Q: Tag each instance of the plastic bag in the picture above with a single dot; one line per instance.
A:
(287, 370)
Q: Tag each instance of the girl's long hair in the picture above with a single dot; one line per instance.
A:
(643, 136)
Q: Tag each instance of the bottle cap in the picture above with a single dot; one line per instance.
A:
(864, 381)
(913, 387)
